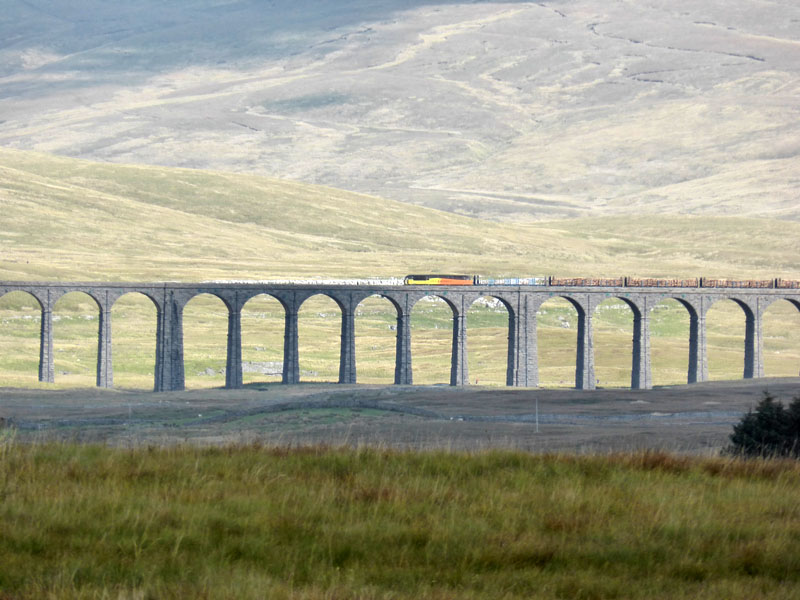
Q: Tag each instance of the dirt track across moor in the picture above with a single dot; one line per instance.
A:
(694, 419)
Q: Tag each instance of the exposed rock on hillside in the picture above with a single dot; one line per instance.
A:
(540, 110)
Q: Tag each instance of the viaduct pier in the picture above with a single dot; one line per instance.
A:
(521, 301)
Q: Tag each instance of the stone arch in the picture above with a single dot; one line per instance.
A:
(690, 308)
(376, 326)
(20, 337)
(319, 328)
(76, 319)
(614, 326)
(432, 319)
(134, 327)
(781, 336)
(489, 335)
(263, 326)
(576, 304)
(205, 327)
(18, 295)
(194, 294)
(726, 322)
(436, 296)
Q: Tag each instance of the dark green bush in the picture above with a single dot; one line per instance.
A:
(768, 431)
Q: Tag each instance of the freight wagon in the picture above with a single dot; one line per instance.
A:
(588, 281)
(733, 283)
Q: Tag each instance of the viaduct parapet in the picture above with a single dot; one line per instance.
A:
(521, 302)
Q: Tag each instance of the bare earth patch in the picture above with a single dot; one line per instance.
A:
(694, 419)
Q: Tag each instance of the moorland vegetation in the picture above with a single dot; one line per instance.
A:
(322, 522)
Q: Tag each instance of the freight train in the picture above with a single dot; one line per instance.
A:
(634, 282)
(473, 280)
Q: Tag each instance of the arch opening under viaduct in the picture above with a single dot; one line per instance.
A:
(320, 322)
(376, 339)
(20, 330)
(205, 318)
(132, 354)
(75, 350)
(432, 342)
(488, 323)
(782, 339)
(669, 343)
(263, 318)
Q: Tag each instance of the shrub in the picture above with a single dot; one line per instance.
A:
(768, 431)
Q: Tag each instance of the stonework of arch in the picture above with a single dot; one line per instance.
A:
(698, 345)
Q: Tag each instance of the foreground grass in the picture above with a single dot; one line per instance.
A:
(253, 522)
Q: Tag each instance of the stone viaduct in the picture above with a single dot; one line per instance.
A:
(521, 302)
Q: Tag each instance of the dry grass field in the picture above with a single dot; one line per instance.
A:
(246, 522)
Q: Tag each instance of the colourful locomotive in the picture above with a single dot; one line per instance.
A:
(441, 280)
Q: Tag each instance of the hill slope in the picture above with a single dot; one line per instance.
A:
(70, 219)
(503, 110)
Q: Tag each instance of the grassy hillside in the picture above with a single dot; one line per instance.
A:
(69, 219)
(65, 219)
